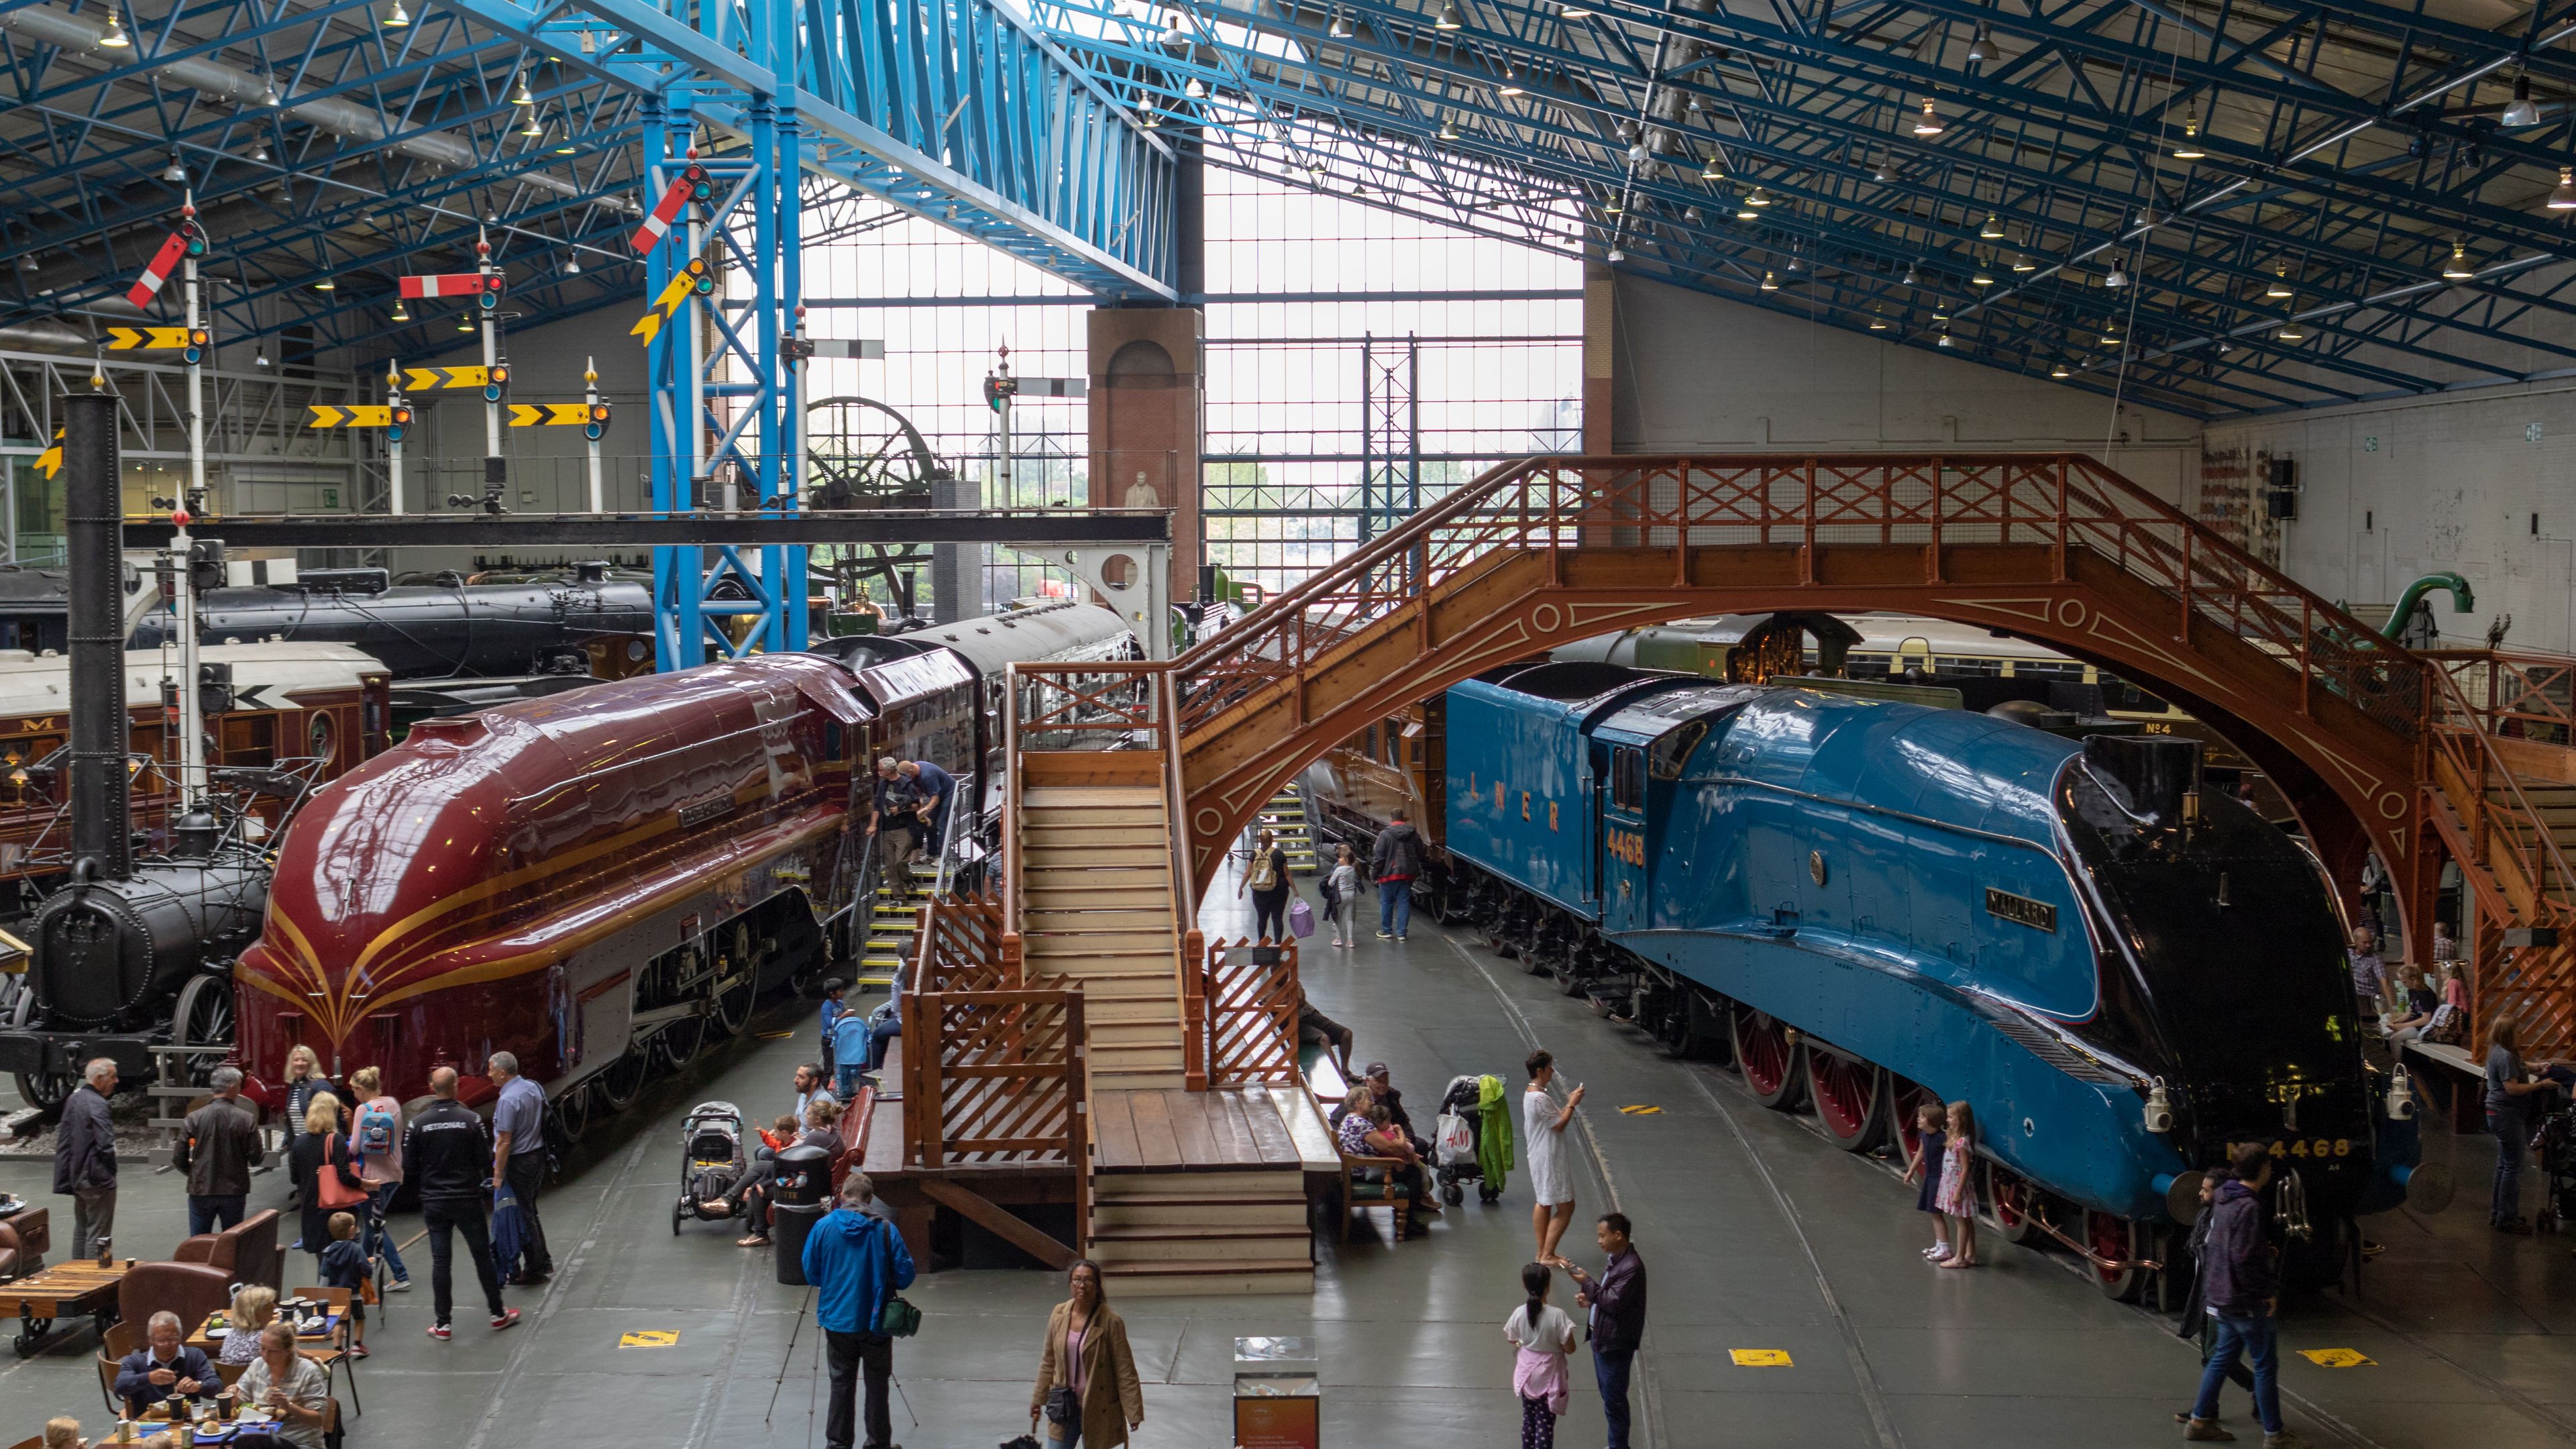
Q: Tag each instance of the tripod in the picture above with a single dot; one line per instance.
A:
(814, 1380)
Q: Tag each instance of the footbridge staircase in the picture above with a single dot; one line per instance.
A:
(1129, 782)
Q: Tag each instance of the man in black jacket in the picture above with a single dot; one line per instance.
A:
(218, 1145)
(85, 1158)
(2238, 1280)
(1618, 1304)
(1394, 861)
(447, 1155)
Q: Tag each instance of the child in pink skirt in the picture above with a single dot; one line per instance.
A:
(1958, 1196)
(1543, 1336)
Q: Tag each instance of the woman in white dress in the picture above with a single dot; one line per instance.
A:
(1543, 1125)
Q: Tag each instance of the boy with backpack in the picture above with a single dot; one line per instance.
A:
(375, 1139)
(346, 1265)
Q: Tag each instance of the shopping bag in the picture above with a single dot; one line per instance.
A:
(1455, 1142)
(1301, 919)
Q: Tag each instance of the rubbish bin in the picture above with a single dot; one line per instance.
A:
(800, 1184)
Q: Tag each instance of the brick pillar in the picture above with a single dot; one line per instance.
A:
(1599, 338)
(1148, 377)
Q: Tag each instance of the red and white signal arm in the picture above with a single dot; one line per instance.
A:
(452, 284)
(158, 270)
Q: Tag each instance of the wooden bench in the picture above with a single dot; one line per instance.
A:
(2463, 1079)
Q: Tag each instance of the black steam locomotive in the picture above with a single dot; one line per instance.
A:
(542, 626)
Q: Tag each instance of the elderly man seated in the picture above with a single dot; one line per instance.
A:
(164, 1368)
(289, 1388)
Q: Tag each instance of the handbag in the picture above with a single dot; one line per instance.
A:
(1301, 919)
(329, 1191)
(898, 1319)
(1063, 1406)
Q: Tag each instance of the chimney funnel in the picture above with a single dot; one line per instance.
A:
(94, 522)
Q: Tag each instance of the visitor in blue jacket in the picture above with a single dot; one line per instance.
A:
(856, 1261)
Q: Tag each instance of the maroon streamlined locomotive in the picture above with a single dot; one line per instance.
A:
(604, 881)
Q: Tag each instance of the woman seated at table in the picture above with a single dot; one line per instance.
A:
(290, 1388)
(164, 1368)
(254, 1308)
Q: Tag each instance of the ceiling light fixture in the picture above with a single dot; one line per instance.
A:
(1982, 46)
(401, 312)
(572, 264)
(1637, 154)
(532, 126)
(2564, 198)
(268, 93)
(1511, 85)
(28, 263)
(524, 97)
(1746, 213)
(2291, 331)
(114, 39)
(1449, 18)
(1885, 174)
(1615, 257)
(1174, 37)
(399, 18)
(1770, 283)
(1612, 207)
(1757, 198)
(2023, 263)
(1930, 122)
(2521, 112)
(326, 285)
(1712, 169)
(1993, 230)
(1196, 90)
(174, 171)
(1448, 130)
(2061, 371)
(1153, 120)
(1942, 341)
(2189, 148)
(1573, 12)
(2115, 278)
(259, 152)
(1691, 216)
(1982, 278)
(1341, 28)
(2279, 286)
(1877, 321)
(464, 321)
(2457, 269)
(1908, 279)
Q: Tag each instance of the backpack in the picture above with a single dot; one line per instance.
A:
(1265, 872)
(375, 1134)
(2448, 1025)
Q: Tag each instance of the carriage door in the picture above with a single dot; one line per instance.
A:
(1623, 841)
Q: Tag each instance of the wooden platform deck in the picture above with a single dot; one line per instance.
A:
(1171, 1131)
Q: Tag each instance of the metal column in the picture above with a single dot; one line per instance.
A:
(1390, 433)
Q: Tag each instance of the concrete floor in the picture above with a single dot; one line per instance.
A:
(1758, 1236)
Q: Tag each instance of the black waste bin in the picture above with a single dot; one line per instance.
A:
(800, 1188)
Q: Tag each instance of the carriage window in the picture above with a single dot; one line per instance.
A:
(322, 739)
(1627, 778)
(249, 739)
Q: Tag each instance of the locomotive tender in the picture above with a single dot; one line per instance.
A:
(604, 881)
(1868, 901)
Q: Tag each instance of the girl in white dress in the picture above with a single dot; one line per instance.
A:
(1543, 1125)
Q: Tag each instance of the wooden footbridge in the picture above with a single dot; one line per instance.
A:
(1128, 782)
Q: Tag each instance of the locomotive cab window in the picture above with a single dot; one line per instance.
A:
(1627, 778)
(1670, 753)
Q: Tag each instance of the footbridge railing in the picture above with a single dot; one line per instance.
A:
(1954, 509)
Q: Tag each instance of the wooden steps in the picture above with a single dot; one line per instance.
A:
(1096, 907)
(1226, 1222)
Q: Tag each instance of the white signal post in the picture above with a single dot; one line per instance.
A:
(491, 352)
(590, 400)
(183, 601)
(393, 442)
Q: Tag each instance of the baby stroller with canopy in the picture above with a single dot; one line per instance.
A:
(711, 1160)
(1460, 1151)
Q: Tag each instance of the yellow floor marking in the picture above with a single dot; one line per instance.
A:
(2337, 1357)
(1759, 1357)
(1640, 1111)
(650, 1338)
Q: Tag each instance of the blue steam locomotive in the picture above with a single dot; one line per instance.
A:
(1868, 904)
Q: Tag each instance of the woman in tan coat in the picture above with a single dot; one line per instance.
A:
(1086, 1352)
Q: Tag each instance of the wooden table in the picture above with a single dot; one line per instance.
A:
(59, 1292)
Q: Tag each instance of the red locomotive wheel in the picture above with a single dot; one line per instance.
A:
(1850, 1099)
(1771, 1066)
(2008, 1204)
(1903, 1098)
(2117, 1239)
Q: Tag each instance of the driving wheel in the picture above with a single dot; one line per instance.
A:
(1770, 1060)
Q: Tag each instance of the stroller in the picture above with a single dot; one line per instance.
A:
(1453, 1144)
(711, 1159)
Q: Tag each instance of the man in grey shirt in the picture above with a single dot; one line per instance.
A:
(519, 1159)
(2369, 975)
